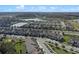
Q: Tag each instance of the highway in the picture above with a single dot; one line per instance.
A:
(30, 47)
(41, 42)
(71, 33)
(68, 47)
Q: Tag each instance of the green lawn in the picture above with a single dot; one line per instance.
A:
(58, 50)
(75, 25)
(7, 40)
(67, 38)
(20, 47)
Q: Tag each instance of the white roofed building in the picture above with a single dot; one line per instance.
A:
(18, 24)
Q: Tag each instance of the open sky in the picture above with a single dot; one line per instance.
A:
(39, 8)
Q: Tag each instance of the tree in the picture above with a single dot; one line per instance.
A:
(71, 49)
(63, 46)
(3, 48)
(56, 44)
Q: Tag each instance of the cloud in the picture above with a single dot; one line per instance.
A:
(75, 9)
(45, 8)
(8, 10)
(53, 8)
(40, 8)
(35, 8)
(20, 8)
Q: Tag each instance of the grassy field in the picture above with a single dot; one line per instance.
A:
(75, 25)
(18, 45)
(67, 38)
(59, 50)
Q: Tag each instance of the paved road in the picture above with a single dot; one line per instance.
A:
(41, 42)
(68, 47)
(30, 47)
(71, 33)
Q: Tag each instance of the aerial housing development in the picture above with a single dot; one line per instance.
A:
(39, 33)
